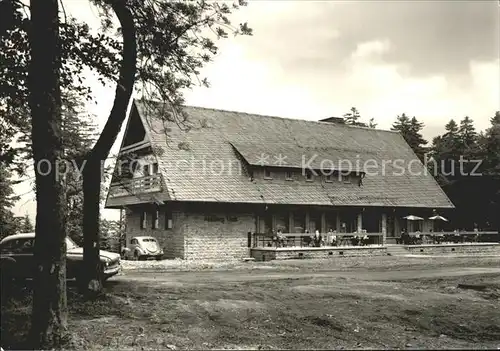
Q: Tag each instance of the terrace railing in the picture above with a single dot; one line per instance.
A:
(135, 186)
(422, 238)
(307, 239)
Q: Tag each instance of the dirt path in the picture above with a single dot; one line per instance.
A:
(244, 276)
(355, 304)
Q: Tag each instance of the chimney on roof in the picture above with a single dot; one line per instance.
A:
(338, 120)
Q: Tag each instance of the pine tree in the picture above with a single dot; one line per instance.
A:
(352, 117)
(372, 123)
(446, 150)
(78, 133)
(492, 145)
(417, 141)
(468, 144)
(451, 141)
(8, 224)
(410, 129)
(467, 133)
(492, 168)
(476, 198)
(402, 124)
(27, 226)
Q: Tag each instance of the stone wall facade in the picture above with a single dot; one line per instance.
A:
(195, 235)
(217, 236)
(473, 249)
(171, 240)
(267, 254)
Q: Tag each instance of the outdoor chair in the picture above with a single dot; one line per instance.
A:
(307, 240)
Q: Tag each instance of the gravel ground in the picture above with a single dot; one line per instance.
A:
(341, 303)
(340, 263)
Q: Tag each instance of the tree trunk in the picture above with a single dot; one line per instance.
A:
(49, 315)
(92, 282)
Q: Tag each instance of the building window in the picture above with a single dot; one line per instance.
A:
(154, 220)
(309, 175)
(143, 220)
(145, 170)
(168, 220)
(288, 175)
(345, 178)
(155, 168)
(328, 178)
(267, 173)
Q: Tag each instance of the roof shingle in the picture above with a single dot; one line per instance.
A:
(206, 167)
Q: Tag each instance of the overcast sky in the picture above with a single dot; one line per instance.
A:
(314, 59)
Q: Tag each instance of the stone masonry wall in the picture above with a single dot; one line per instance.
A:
(265, 254)
(217, 236)
(171, 240)
(472, 249)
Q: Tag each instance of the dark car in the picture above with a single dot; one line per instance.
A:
(17, 258)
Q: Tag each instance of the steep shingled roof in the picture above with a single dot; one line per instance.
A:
(201, 164)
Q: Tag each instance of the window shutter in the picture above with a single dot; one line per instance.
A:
(154, 222)
(168, 220)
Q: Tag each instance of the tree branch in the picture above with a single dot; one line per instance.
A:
(125, 83)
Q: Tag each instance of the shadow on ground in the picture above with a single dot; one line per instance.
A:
(305, 312)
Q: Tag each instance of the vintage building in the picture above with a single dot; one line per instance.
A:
(203, 181)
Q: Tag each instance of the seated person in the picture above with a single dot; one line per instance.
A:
(334, 241)
(365, 240)
(317, 239)
(355, 240)
(307, 239)
(280, 238)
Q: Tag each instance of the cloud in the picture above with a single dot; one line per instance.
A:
(371, 49)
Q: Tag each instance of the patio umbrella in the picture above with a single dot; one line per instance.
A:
(413, 218)
(441, 218)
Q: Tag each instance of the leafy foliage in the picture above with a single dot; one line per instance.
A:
(111, 232)
(174, 40)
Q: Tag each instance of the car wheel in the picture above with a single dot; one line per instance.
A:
(158, 258)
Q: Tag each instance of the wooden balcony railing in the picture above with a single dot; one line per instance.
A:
(143, 185)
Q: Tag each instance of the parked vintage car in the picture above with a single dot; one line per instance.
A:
(17, 258)
(141, 248)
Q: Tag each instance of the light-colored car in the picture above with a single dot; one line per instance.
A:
(17, 258)
(141, 248)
